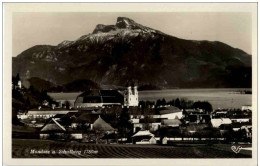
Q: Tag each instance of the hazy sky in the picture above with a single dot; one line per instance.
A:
(31, 29)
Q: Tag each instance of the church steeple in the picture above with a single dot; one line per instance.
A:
(131, 95)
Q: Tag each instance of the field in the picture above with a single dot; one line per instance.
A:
(219, 98)
(24, 148)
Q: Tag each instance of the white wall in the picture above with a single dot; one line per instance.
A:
(172, 115)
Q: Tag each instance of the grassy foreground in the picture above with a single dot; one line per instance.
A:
(29, 148)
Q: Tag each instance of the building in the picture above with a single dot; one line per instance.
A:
(45, 113)
(16, 83)
(52, 130)
(171, 122)
(101, 125)
(22, 115)
(151, 124)
(80, 126)
(131, 96)
(216, 123)
(220, 113)
(240, 118)
(239, 126)
(246, 107)
(169, 116)
(171, 112)
(98, 98)
(199, 118)
(19, 84)
(144, 137)
(84, 120)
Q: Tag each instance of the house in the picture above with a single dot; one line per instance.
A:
(199, 118)
(170, 112)
(22, 115)
(217, 122)
(151, 124)
(100, 129)
(98, 98)
(194, 111)
(144, 137)
(52, 130)
(219, 114)
(239, 126)
(240, 118)
(171, 122)
(16, 83)
(45, 113)
(110, 138)
(101, 125)
(248, 130)
(246, 107)
(168, 116)
(75, 134)
(58, 116)
(84, 120)
(45, 103)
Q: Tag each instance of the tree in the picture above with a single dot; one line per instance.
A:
(16, 79)
(171, 102)
(177, 103)
(183, 103)
(124, 125)
(203, 105)
(141, 104)
(163, 102)
(67, 104)
(28, 104)
(15, 120)
(158, 103)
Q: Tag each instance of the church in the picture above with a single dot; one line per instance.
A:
(103, 98)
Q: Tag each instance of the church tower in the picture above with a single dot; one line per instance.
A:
(131, 96)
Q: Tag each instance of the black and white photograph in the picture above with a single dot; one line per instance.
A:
(132, 85)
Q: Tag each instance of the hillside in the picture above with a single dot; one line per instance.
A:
(128, 51)
(74, 86)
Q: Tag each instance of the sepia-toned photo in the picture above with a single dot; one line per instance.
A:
(132, 85)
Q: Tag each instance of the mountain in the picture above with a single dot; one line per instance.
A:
(80, 85)
(74, 86)
(39, 84)
(128, 51)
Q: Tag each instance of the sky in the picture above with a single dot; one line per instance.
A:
(30, 29)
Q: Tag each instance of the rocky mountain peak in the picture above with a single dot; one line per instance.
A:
(123, 22)
(104, 28)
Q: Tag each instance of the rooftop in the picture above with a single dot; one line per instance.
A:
(169, 110)
(143, 133)
(100, 96)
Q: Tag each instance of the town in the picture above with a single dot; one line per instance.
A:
(118, 117)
